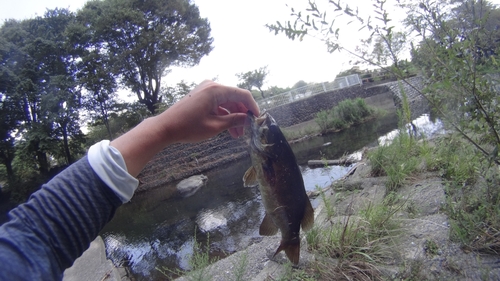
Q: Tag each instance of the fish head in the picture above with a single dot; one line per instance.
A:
(264, 132)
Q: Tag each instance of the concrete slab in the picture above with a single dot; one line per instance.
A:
(93, 265)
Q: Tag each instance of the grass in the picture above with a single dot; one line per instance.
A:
(198, 263)
(353, 247)
(350, 247)
(472, 184)
(343, 115)
(240, 267)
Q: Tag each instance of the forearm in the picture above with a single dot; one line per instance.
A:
(139, 145)
(207, 110)
(46, 234)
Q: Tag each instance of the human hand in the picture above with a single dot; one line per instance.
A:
(207, 110)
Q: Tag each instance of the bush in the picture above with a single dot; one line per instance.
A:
(345, 114)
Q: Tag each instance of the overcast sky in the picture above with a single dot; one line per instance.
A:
(241, 42)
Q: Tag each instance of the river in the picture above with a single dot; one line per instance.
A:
(154, 232)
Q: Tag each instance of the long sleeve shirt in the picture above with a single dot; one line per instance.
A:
(56, 225)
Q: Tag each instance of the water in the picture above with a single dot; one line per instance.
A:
(154, 232)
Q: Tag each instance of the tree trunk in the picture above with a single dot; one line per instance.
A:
(43, 164)
(66, 145)
(262, 93)
(10, 171)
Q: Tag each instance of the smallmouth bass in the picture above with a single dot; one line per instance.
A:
(275, 170)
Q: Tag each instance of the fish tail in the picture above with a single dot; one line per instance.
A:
(292, 250)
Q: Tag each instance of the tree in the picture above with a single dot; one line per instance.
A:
(458, 58)
(383, 49)
(253, 78)
(10, 114)
(42, 86)
(456, 47)
(299, 84)
(144, 38)
(175, 93)
(100, 86)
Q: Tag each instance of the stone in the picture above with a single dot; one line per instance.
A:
(191, 185)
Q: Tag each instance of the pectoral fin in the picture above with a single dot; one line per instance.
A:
(308, 219)
(267, 227)
(250, 177)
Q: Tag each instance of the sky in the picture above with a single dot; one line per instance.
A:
(241, 42)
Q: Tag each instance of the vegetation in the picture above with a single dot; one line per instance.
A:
(56, 66)
(452, 46)
(198, 263)
(255, 78)
(343, 115)
(141, 40)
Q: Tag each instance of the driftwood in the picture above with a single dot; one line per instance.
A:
(342, 161)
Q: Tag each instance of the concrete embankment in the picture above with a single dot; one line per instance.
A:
(93, 265)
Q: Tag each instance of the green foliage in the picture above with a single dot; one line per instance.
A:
(431, 248)
(129, 116)
(241, 267)
(456, 51)
(271, 91)
(172, 94)
(198, 263)
(454, 48)
(357, 242)
(143, 39)
(254, 78)
(397, 160)
(299, 84)
(345, 114)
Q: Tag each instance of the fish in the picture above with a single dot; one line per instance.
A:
(274, 169)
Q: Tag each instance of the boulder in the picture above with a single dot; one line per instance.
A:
(188, 187)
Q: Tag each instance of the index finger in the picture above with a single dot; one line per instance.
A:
(233, 94)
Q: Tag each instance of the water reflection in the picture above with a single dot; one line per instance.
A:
(422, 126)
(153, 231)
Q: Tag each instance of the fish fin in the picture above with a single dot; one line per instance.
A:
(267, 227)
(292, 250)
(250, 177)
(308, 219)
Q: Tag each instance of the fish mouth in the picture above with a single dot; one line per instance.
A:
(259, 127)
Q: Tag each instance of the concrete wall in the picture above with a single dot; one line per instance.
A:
(306, 109)
(418, 104)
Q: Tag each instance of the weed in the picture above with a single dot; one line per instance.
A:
(330, 210)
(397, 160)
(412, 209)
(344, 114)
(328, 269)
(412, 271)
(431, 248)
(198, 263)
(293, 274)
(241, 267)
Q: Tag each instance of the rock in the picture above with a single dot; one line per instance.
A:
(191, 185)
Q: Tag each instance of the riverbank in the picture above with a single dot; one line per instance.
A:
(369, 236)
(181, 161)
